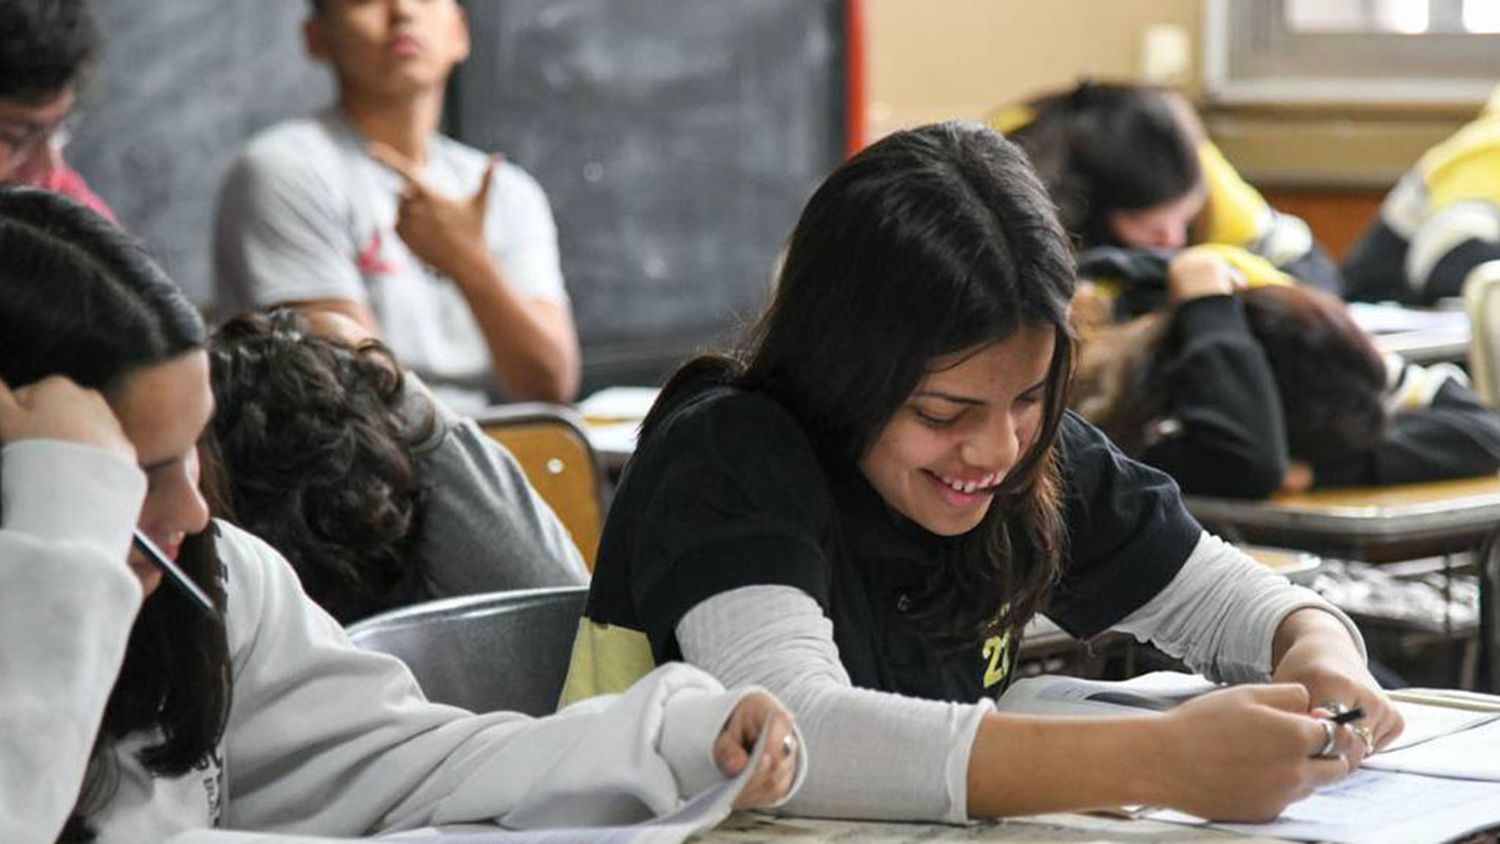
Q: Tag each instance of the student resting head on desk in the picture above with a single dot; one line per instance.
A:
(131, 712)
(376, 494)
(863, 507)
(1245, 392)
(1131, 167)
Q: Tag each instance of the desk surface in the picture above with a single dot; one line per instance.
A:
(1428, 345)
(1392, 513)
(758, 829)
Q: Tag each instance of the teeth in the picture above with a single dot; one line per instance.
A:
(970, 487)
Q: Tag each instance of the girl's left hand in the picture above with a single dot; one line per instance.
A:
(773, 779)
(1334, 682)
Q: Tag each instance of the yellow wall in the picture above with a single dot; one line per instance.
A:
(939, 59)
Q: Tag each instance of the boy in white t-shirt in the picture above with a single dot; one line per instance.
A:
(448, 254)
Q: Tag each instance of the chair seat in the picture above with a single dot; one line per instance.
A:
(489, 652)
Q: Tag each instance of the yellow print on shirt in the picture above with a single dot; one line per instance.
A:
(997, 651)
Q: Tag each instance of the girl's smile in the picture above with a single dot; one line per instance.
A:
(942, 456)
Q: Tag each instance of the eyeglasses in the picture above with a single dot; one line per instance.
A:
(21, 140)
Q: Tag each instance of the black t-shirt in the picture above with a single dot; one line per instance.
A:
(726, 491)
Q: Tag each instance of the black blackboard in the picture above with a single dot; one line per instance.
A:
(677, 141)
(183, 84)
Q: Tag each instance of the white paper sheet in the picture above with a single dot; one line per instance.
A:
(619, 403)
(1377, 807)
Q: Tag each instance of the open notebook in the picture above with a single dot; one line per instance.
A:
(1440, 780)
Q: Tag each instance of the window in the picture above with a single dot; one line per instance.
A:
(1361, 51)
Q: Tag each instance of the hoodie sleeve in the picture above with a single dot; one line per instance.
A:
(330, 740)
(67, 602)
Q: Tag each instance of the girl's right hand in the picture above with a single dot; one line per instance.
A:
(55, 408)
(1246, 753)
(760, 712)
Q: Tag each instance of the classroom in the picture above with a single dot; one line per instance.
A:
(749, 420)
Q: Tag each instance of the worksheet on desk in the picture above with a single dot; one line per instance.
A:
(1377, 807)
(1466, 753)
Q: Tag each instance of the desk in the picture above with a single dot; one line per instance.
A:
(1419, 335)
(613, 440)
(1428, 345)
(1382, 524)
(1369, 523)
(758, 829)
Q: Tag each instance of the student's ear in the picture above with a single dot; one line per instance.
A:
(315, 37)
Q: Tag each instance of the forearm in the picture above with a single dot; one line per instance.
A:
(532, 343)
(1317, 630)
(1221, 613)
(873, 754)
(1027, 764)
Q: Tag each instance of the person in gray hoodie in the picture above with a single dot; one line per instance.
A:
(129, 713)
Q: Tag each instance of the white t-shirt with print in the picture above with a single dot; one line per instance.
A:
(306, 214)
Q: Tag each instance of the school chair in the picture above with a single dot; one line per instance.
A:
(1482, 302)
(495, 651)
(550, 444)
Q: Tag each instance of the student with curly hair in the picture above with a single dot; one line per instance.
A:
(377, 495)
(129, 713)
(1242, 393)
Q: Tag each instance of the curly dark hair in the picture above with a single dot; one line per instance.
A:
(45, 46)
(317, 447)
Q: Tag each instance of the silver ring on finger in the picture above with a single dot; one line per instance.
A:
(1367, 737)
(1330, 740)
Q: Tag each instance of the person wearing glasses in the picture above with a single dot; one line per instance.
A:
(47, 50)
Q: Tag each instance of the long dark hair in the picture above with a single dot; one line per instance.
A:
(931, 241)
(1104, 147)
(82, 299)
(1328, 374)
(317, 453)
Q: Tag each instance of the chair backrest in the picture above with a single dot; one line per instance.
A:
(1482, 301)
(552, 448)
(501, 650)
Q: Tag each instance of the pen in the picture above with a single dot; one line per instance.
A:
(176, 575)
(1347, 717)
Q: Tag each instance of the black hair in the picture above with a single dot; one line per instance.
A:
(1329, 377)
(931, 241)
(46, 46)
(1104, 147)
(317, 451)
(83, 300)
